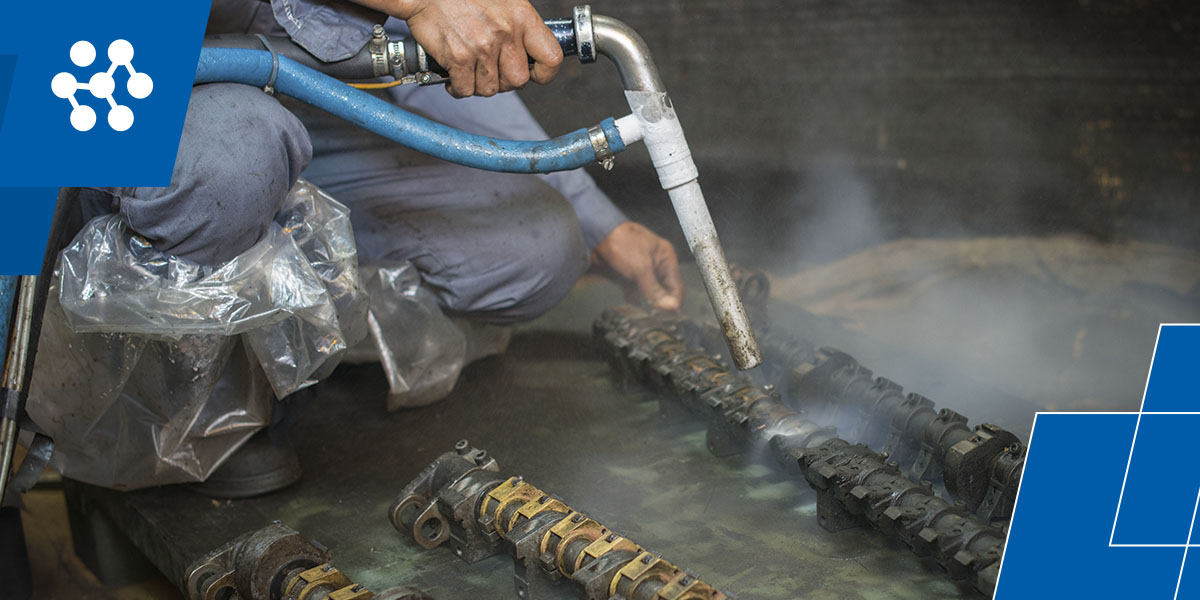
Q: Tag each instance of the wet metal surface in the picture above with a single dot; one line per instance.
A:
(548, 410)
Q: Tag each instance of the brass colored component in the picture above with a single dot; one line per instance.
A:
(354, 592)
(573, 520)
(658, 337)
(534, 508)
(608, 542)
(584, 528)
(510, 492)
(687, 587)
(324, 582)
(549, 541)
(642, 569)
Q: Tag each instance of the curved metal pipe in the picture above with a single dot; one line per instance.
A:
(628, 51)
(663, 135)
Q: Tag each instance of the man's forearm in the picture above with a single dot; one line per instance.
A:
(401, 9)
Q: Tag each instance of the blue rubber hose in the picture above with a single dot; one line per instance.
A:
(253, 67)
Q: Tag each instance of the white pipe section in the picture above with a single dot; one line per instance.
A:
(701, 236)
(630, 129)
(663, 135)
(654, 121)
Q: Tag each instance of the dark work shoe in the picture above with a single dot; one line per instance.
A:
(259, 467)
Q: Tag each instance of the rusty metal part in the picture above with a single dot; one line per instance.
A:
(483, 512)
(933, 445)
(15, 374)
(276, 563)
(854, 483)
(644, 348)
(322, 582)
(930, 444)
(855, 486)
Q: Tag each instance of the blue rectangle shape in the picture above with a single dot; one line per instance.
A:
(96, 126)
(27, 216)
(1160, 490)
(1176, 364)
(8, 66)
(1189, 579)
(1058, 544)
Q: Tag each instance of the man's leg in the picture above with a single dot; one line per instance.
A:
(240, 153)
(494, 247)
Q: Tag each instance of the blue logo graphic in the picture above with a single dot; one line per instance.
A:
(1108, 502)
(75, 111)
(41, 146)
(102, 85)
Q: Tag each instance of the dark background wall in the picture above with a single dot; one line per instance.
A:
(822, 127)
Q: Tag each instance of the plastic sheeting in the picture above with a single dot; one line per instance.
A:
(154, 369)
(421, 349)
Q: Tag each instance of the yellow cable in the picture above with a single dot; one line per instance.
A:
(376, 86)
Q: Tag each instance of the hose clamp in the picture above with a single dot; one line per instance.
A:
(378, 48)
(604, 154)
(585, 37)
(269, 89)
(395, 57)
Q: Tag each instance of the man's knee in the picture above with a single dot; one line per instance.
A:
(239, 155)
(552, 271)
(527, 267)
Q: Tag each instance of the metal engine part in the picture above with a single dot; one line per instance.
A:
(277, 563)
(462, 498)
(645, 349)
(980, 466)
(855, 485)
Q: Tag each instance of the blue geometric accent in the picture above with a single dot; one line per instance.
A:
(39, 147)
(8, 68)
(28, 212)
(40, 150)
(1176, 365)
(1108, 501)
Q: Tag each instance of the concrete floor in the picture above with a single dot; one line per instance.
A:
(546, 409)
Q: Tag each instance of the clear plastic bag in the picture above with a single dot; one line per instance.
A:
(153, 370)
(127, 411)
(421, 349)
(296, 295)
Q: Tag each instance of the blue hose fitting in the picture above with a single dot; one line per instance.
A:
(254, 67)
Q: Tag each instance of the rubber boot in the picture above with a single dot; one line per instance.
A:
(259, 467)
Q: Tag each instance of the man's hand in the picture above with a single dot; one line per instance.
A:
(485, 44)
(646, 262)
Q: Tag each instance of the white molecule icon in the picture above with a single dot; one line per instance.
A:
(102, 85)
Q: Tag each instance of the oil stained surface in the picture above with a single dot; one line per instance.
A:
(548, 410)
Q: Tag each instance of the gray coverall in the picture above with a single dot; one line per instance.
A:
(496, 247)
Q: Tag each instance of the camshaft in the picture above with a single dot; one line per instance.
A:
(854, 484)
(462, 498)
(981, 466)
(852, 481)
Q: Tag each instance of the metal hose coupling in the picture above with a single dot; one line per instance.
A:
(463, 499)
